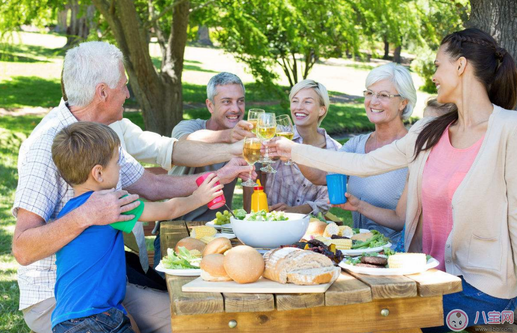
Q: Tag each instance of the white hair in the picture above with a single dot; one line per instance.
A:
(402, 80)
(222, 79)
(318, 88)
(86, 66)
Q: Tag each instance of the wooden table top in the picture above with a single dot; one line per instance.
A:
(416, 299)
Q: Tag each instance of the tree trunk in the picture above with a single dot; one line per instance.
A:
(61, 21)
(203, 35)
(386, 49)
(159, 94)
(80, 20)
(396, 54)
(499, 19)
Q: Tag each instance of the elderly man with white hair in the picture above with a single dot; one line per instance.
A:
(95, 84)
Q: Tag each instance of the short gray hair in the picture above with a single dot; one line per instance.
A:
(86, 66)
(221, 79)
(402, 80)
(318, 88)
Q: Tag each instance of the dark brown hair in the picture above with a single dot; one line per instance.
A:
(493, 66)
(81, 146)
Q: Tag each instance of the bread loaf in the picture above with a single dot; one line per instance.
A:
(297, 266)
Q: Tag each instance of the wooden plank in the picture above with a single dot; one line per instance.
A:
(409, 330)
(404, 313)
(389, 286)
(285, 302)
(191, 303)
(249, 302)
(170, 233)
(262, 286)
(347, 290)
(435, 282)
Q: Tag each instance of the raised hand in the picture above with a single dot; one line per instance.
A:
(352, 203)
(233, 169)
(241, 130)
(208, 191)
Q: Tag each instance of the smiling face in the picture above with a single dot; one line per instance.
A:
(227, 109)
(384, 110)
(305, 108)
(445, 77)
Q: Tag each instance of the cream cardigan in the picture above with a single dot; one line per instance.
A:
(482, 245)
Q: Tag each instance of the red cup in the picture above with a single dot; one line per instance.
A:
(217, 202)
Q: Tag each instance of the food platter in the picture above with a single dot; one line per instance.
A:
(431, 263)
(358, 252)
(217, 226)
(178, 272)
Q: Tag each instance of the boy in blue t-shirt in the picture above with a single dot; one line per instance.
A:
(91, 279)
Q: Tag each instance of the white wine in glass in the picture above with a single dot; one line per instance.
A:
(253, 116)
(266, 129)
(285, 128)
(251, 154)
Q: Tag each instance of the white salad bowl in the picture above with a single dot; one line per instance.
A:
(270, 234)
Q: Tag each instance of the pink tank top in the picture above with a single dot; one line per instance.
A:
(443, 172)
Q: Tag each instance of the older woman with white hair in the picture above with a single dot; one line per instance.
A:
(288, 190)
(389, 99)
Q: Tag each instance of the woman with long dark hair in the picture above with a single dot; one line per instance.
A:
(462, 185)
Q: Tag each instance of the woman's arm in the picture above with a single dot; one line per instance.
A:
(393, 219)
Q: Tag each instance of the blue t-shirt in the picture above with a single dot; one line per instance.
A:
(91, 271)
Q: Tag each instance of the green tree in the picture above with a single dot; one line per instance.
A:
(287, 33)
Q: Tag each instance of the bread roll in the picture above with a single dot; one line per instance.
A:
(212, 268)
(190, 244)
(289, 260)
(315, 228)
(243, 264)
(218, 245)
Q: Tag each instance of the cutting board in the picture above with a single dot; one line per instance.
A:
(262, 286)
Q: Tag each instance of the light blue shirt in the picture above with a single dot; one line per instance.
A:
(382, 191)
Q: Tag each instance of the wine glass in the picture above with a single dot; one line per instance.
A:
(253, 116)
(285, 128)
(266, 129)
(251, 154)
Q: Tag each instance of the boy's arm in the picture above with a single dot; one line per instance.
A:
(170, 209)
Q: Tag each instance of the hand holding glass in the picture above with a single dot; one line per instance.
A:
(285, 128)
(251, 154)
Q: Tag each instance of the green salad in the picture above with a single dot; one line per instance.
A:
(262, 215)
(377, 240)
(185, 259)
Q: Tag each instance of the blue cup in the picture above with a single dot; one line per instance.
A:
(336, 185)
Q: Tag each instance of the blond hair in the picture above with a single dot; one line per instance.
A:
(320, 90)
(81, 146)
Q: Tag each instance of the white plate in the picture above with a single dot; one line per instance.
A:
(178, 272)
(358, 252)
(229, 236)
(218, 227)
(431, 263)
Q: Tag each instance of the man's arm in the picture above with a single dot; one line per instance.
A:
(240, 131)
(198, 154)
(34, 239)
(158, 187)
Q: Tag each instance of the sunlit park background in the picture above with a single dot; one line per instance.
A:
(269, 44)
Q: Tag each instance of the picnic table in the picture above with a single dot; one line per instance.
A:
(354, 303)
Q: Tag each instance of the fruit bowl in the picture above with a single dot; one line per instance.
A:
(271, 234)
